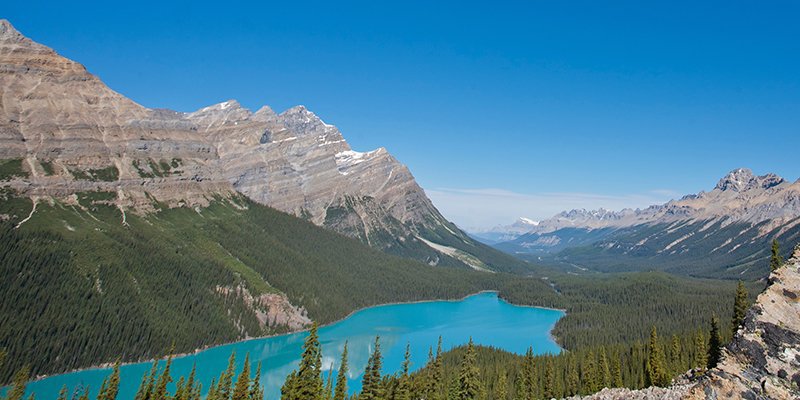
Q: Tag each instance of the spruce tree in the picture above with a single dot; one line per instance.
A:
(225, 385)
(739, 307)
(19, 384)
(549, 379)
(520, 393)
(148, 382)
(589, 374)
(160, 391)
(110, 387)
(189, 391)
(308, 379)
(180, 389)
(616, 371)
(328, 392)
(340, 392)
(775, 259)
(529, 374)
(675, 355)
(437, 375)
(371, 387)
(241, 390)
(469, 380)
(656, 372)
(63, 393)
(289, 387)
(714, 343)
(573, 379)
(501, 387)
(403, 390)
(604, 370)
(256, 390)
(700, 351)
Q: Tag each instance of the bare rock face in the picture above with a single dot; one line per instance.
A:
(761, 362)
(75, 134)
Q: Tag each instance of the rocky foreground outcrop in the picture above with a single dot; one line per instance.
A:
(761, 362)
(71, 133)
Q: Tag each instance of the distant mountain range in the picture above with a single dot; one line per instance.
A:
(72, 133)
(724, 231)
(504, 233)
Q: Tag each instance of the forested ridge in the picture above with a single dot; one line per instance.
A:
(81, 284)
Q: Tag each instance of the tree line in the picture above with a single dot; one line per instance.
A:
(465, 373)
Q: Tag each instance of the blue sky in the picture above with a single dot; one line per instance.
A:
(500, 109)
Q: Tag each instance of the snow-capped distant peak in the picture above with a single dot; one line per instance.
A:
(528, 221)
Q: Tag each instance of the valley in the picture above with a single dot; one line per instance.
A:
(416, 324)
(130, 234)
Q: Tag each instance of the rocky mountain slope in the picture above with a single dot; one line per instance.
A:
(63, 131)
(763, 359)
(726, 230)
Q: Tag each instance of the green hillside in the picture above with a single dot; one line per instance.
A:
(81, 288)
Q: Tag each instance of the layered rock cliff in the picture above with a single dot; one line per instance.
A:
(71, 133)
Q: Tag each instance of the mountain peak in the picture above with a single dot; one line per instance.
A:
(743, 179)
(300, 119)
(7, 30)
(527, 221)
(9, 34)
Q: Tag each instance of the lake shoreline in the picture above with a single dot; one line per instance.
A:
(108, 365)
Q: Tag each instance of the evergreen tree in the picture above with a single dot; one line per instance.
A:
(189, 389)
(700, 351)
(469, 380)
(110, 387)
(739, 307)
(340, 392)
(371, 386)
(160, 392)
(257, 391)
(529, 375)
(63, 393)
(573, 379)
(19, 384)
(403, 390)
(180, 389)
(675, 355)
(148, 382)
(604, 373)
(616, 371)
(775, 259)
(589, 374)
(437, 375)
(306, 383)
(714, 343)
(328, 393)
(656, 371)
(242, 389)
(501, 387)
(225, 384)
(549, 379)
(288, 389)
(520, 393)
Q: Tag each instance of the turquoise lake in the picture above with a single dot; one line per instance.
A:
(484, 317)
